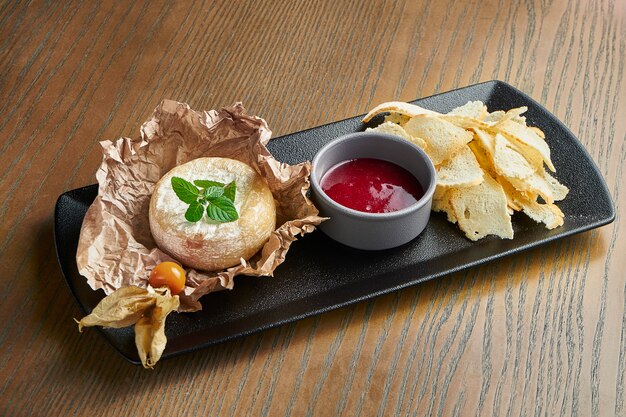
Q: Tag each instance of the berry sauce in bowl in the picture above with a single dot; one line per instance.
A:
(371, 185)
(375, 189)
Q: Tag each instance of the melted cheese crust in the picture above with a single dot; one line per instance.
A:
(207, 244)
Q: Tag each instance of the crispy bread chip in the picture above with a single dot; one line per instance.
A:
(515, 115)
(531, 154)
(487, 141)
(394, 129)
(538, 131)
(468, 116)
(465, 122)
(482, 210)
(441, 202)
(547, 213)
(510, 192)
(533, 186)
(400, 107)
(443, 139)
(494, 117)
(559, 191)
(485, 162)
(462, 170)
(473, 109)
(440, 192)
(397, 118)
(520, 133)
(509, 161)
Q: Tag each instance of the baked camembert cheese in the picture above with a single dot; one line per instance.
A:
(208, 244)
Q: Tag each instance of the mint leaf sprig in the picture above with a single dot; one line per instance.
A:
(214, 198)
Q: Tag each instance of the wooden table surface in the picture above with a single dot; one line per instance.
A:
(537, 334)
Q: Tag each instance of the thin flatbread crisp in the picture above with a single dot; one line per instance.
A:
(406, 109)
(462, 170)
(442, 138)
(482, 210)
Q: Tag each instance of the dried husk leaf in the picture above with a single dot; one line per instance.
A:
(121, 308)
(150, 329)
(146, 308)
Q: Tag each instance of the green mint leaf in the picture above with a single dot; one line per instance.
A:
(230, 190)
(222, 210)
(194, 212)
(208, 183)
(212, 193)
(185, 190)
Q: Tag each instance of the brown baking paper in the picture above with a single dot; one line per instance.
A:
(116, 248)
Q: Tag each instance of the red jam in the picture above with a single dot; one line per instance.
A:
(371, 185)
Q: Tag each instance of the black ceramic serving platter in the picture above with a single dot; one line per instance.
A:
(320, 274)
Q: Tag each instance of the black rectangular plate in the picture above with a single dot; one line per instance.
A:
(320, 274)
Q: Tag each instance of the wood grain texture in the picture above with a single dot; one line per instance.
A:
(541, 333)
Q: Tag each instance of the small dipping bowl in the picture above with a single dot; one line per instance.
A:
(373, 231)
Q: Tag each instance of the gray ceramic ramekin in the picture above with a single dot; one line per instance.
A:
(373, 231)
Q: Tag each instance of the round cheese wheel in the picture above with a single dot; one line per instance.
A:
(207, 244)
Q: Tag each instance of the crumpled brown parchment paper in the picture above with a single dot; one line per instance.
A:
(116, 248)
